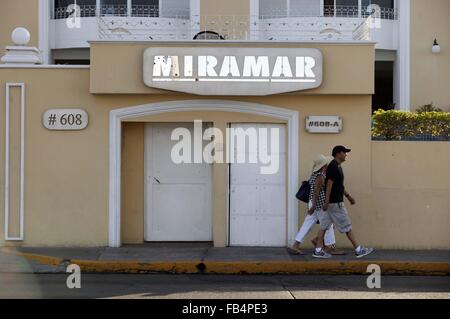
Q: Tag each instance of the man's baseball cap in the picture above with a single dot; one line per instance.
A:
(339, 149)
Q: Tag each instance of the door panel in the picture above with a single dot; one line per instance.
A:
(176, 216)
(258, 211)
(178, 196)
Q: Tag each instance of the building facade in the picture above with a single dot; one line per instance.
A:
(404, 32)
(133, 71)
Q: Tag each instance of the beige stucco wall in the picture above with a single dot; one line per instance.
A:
(430, 76)
(63, 184)
(230, 7)
(343, 66)
(411, 187)
(228, 18)
(133, 183)
(66, 173)
(18, 13)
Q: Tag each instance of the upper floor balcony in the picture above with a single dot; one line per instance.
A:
(135, 8)
(75, 22)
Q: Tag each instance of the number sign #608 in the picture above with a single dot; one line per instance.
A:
(65, 119)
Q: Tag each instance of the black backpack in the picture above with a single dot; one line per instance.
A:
(303, 192)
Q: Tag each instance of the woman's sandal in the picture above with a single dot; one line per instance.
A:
(295, 251)
(333, 251)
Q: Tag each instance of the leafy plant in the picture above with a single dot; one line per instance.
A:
(397, 125)
(428, 108)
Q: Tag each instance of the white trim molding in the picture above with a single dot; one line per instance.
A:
(44, 30)
(7, 158)
(40, 66)
(194, 7)
(254, 19)
(403, 67)
(115, 148)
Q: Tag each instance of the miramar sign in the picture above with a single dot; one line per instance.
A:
(233, 71)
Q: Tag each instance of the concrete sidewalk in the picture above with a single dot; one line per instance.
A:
(202, 258)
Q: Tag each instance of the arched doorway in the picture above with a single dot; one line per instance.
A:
(120, 115)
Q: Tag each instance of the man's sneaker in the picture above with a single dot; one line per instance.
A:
(364, 252)
(321, 254)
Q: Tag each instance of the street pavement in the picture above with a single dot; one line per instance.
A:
(201, 258)
(24, 278)
(51, 286)
(177, 252)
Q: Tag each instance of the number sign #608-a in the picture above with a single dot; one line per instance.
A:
(65, 119)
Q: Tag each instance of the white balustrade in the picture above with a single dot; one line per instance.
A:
(144, 22)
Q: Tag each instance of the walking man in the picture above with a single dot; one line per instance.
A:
(333, 210)
(316, 200)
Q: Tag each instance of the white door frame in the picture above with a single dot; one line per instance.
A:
(118, 116)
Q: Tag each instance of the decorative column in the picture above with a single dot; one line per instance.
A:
(98, 5)
(44, 29)
(129, 8)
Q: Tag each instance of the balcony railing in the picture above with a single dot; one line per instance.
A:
(152, 11)
(136, 23)
(331, 11)
(146, 11)
(114, 10)
(142, 11)
(383, 13)
(83, 11)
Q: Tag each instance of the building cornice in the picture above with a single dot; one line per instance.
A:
(237, 42)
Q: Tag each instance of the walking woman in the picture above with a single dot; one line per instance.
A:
(316, 202)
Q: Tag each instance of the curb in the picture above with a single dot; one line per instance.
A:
(240, 268)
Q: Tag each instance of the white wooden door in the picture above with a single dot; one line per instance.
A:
(178, 196)
(258, 210)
